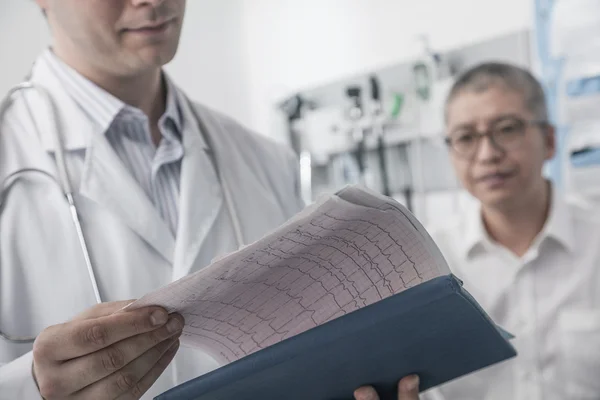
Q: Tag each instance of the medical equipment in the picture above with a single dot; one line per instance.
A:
(64, 183)
(355, 115)
(379, 133)
(294, 109)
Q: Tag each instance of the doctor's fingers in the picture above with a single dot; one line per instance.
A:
(148, 380)
(78, 338)
(74, 375)
(366, 393)
(408, 389)
(136, 378)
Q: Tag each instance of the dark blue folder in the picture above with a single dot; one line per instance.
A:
(436, 330)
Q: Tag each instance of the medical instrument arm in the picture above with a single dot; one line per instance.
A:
(299, 203)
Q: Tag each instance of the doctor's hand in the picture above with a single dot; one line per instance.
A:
(408, 389)
(105, 354)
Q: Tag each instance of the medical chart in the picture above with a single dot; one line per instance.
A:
(345, 252)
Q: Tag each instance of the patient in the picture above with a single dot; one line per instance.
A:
(530, 256)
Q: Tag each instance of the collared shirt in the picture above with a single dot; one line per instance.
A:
(127, 129)
(549, 299)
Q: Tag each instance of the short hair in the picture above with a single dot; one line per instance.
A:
(483, 76)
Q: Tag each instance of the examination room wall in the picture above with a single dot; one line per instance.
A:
(294, 45)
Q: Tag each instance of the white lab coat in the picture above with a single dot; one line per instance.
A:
(43, 278)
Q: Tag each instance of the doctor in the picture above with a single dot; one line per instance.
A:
(160, 183)
(162, 186)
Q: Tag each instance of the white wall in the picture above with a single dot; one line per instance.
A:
(296, 44)
(23, 34)
(209, 64)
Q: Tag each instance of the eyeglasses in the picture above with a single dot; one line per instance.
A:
(505, 135)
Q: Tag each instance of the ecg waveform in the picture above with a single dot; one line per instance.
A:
(339, 258)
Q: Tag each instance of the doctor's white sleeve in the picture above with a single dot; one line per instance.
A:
(16, 379)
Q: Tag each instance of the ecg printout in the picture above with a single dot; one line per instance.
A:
(337, 256)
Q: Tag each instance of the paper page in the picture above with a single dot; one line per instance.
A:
(368, 198)
(323, 264)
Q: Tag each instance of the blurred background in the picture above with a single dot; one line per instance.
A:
(357, 87)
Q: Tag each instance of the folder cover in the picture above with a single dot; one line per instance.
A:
(436, 330)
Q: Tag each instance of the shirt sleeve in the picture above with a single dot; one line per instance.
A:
(16, 380)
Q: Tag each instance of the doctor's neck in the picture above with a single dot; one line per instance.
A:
(145, 90)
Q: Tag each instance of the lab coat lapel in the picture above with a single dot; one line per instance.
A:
(201, 197)
(106, 181)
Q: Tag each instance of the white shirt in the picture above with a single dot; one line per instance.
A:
(157, 170)
(549, 299)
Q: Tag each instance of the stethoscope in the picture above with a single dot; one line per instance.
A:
(64, 183)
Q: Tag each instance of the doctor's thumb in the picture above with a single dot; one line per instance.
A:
(408, 388)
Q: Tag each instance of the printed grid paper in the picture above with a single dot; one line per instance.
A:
(343, 253)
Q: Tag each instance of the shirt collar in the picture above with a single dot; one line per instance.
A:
(558, 227)
(475, 234)
(99, 105)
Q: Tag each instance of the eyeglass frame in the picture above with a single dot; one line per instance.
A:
(489, 133)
